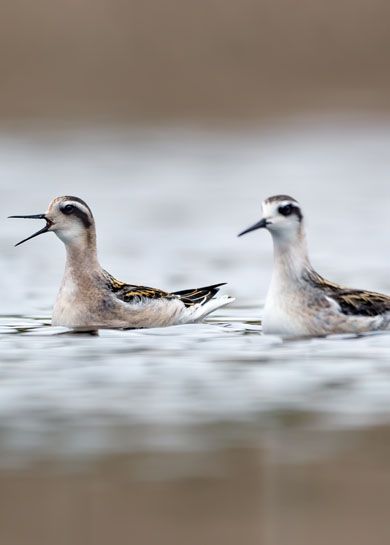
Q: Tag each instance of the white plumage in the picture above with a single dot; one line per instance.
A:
(299, 301)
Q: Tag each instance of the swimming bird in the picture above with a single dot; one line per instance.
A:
(299, 301)
(90, 297)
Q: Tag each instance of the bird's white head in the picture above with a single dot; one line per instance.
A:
(282, 216)
(70, 218)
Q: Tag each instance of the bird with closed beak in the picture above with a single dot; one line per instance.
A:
(299, 301)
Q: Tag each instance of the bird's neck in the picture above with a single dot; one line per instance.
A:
(81, 255)
(290, 256)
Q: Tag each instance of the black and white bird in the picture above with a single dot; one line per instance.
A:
(89, 297)
(299, 301)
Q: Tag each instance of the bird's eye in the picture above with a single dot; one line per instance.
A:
(68, 209)
(286, 210)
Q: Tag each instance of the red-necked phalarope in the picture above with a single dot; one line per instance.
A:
(299, 301)
(90, 297)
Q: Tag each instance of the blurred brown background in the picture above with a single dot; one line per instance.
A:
(214, 59)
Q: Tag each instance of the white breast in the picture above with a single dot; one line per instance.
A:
(278, 321)
(283, 312)
(66, 311)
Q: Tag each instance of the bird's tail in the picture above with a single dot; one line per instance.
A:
(198, 296)
(213, 304)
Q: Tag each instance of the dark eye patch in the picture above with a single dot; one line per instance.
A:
(68, 209)
(286, 210)
(83, 216)
(289, 209)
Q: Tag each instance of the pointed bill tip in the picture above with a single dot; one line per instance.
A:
(259, 225)
(40, 232)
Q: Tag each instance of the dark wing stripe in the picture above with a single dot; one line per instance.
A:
(130, 293)
(114, 284)
(364, 303)
(352, 302)
(198, 295)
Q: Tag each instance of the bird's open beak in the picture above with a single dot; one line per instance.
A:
(35, 217)
(259, 225)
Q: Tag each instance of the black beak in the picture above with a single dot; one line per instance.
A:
(34, 217)
(259, 225)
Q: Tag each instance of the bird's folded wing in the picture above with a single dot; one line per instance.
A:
(129, 292)
(352, 302)
(362, 303)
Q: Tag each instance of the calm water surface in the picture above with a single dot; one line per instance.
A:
(168, 205)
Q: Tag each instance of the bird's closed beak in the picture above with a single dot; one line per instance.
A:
(35, 217)
(259, 225)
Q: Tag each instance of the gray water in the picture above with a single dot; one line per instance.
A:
(169, 203)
